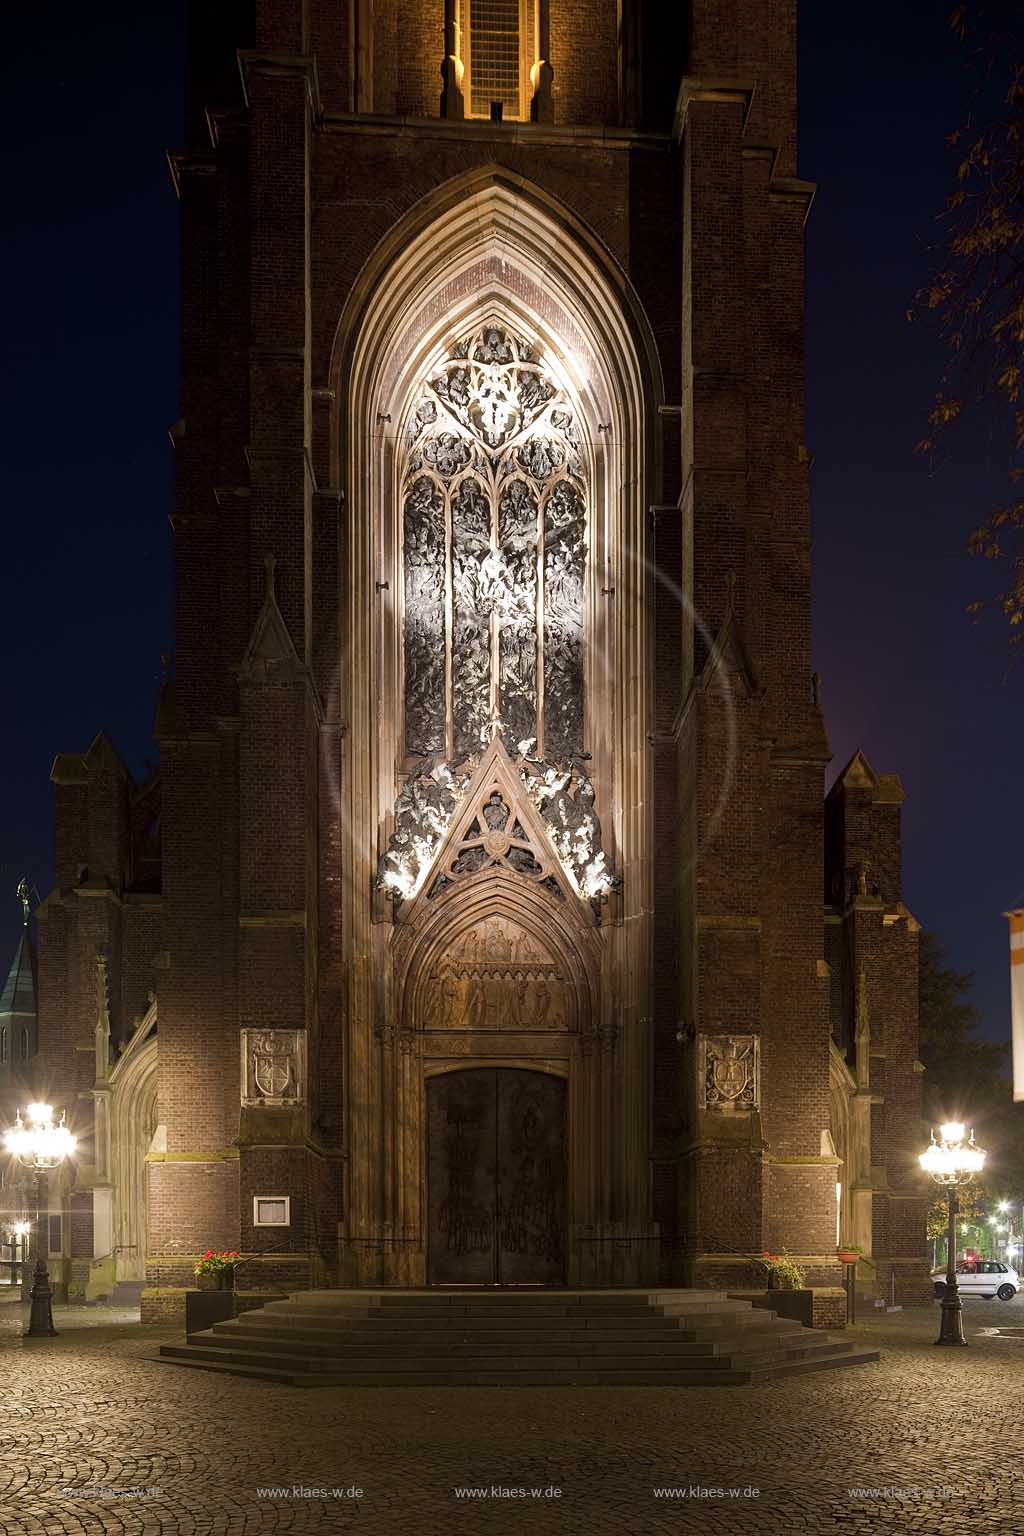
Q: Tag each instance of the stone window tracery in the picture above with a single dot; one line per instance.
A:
(494, 529)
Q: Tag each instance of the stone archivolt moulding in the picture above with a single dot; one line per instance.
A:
(729, 1072)
(273, 1066)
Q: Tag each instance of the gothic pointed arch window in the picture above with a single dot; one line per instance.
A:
(494, 535)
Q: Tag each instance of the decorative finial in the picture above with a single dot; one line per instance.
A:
(22, 894)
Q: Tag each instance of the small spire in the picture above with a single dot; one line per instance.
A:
(22, 895)
(269, 567)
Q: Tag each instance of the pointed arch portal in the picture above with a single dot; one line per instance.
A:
(494, 388)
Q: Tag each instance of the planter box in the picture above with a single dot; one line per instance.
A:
(795, 1306)
(204, 1308)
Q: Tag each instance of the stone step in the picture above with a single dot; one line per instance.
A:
(581, 1374)
(440, 1360)
(506, 1296)
(513, 1364)
(786, 1354)
(489, 1378)
(484, 1310)
(221, 1336)
(251, 1326)
(330, 1338)
(301, 1316)
(408, 1338)
(765, 1330)
(831, 1362)
(427, 1343)
(515, 1326)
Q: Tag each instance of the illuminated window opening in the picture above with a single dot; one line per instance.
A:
(497, 43)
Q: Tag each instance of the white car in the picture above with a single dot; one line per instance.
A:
(985, 1277)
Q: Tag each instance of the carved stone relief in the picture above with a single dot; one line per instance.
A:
(495, 569)
(422, 813)
(424, 624)
(495, 976)
(729, 1072)
(496, 836)
(273, 1066)
(493, 497)
(565, 799)
(472, 579)
(564, 558)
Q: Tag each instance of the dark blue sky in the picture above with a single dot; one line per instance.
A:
(88, 388)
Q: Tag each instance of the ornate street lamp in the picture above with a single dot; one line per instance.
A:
(952, 1162)
(40, 1145)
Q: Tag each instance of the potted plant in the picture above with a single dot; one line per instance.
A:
(216, 1271)
(788, 1294)
(849, 1253)
(783, 1274)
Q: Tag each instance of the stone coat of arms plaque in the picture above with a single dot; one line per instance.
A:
(729, 1072)
(273, 1066)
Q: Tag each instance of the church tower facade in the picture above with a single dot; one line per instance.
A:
(492, 822)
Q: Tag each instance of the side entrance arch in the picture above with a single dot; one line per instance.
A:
(496, 1177)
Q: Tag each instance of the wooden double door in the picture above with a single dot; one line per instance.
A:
(496, 1171)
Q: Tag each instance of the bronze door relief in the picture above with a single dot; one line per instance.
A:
(496, 1178)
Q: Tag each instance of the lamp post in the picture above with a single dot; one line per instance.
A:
(952, 1162)
(19, 1232)
(40, 1145)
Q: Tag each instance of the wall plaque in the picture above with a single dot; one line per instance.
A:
(729, 1072)
(273, 1066)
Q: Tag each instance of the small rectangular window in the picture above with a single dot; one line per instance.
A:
(55, 1235)
(271, 1211)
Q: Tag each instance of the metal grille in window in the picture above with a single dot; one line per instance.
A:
(494, 55)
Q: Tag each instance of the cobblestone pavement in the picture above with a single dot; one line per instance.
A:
(97, 1437)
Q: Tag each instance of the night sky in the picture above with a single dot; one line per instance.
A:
(89, 388)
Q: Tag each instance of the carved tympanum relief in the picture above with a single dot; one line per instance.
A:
(494, 527)
(495, 976)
